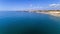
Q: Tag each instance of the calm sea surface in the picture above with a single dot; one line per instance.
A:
(14, 22)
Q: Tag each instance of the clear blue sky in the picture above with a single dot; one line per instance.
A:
(28, 4)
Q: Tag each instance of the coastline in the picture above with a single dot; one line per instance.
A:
(55, 13)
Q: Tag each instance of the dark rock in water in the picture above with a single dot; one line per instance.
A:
(27, 23)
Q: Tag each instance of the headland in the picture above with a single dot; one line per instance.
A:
(50, 12)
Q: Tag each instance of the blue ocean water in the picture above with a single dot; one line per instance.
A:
(15, 22)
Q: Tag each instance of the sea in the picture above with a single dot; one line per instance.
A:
(21, 22)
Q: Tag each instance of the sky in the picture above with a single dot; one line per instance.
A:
(14, 5)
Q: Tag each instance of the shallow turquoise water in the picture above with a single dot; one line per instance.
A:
(14, 22)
